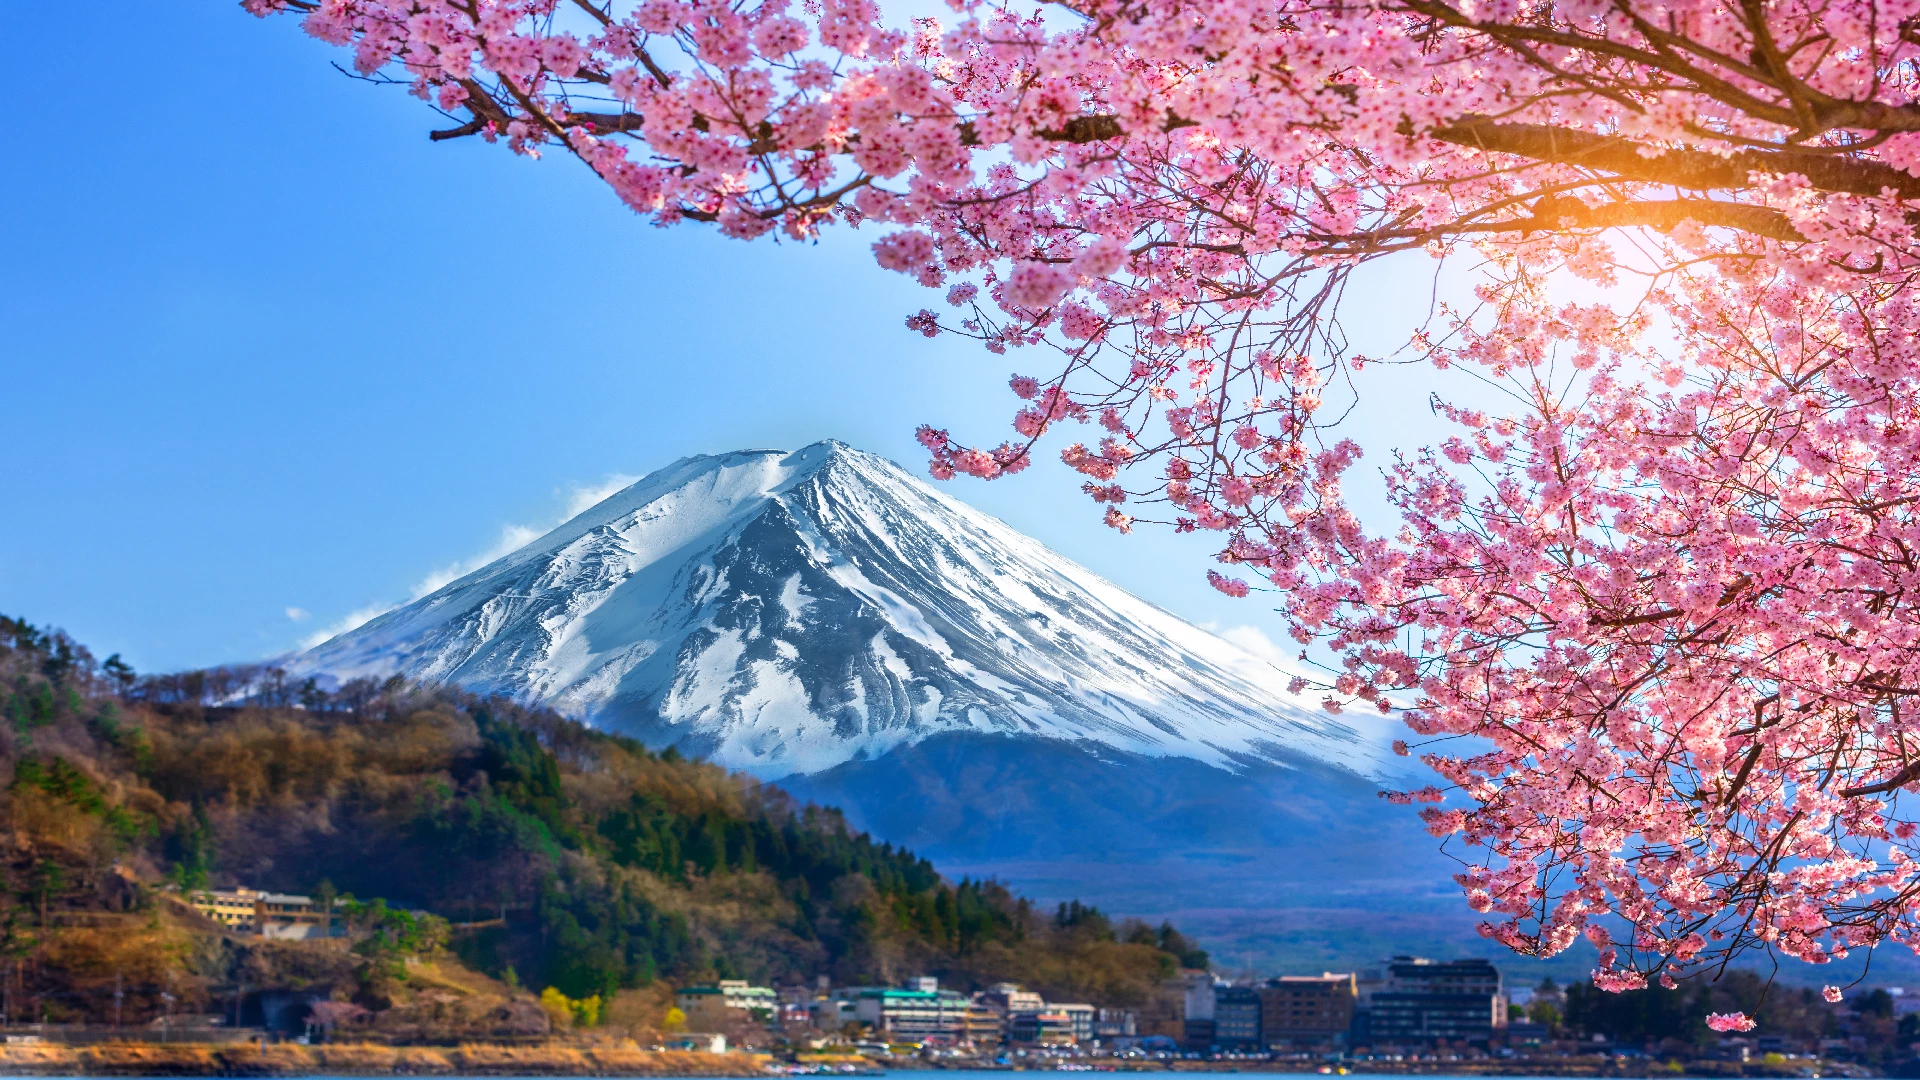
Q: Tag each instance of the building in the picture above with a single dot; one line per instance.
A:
(1425, 1001)
(268, 914)
(233, 909)
(713, 1008)
(1302, 1011)
(922, 1012)
(1007, 999)
(999, 1005)
(1081, 1017)
(1196, 1010)
(832, 1013)
(294, 917)
(796, 1006)
(1411, 1018)
(986, 1027)
(1236, 1018)
(1115, 1024)
(1045, 1027)
(1524, 1033)
(1416, 975)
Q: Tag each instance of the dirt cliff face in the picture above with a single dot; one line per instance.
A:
(163, 965)
(243, 961)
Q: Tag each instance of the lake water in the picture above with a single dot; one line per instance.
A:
(896, 1074)
(892, 1074)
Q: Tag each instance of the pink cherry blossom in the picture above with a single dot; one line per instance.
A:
(1037, 285)
(1230, 586)
(1654, 614)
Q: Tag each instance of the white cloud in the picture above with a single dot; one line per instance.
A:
(512, 539)
(352, 620)
(299, 614)
(582, 499)
(1255, 640)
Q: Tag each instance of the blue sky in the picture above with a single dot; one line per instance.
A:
(273, 358)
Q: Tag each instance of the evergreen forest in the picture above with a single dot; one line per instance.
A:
(542, 853)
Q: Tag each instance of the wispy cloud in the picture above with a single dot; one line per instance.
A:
(512, 539)
(353, 620)
(582, 498)
(577, 499)
(1255, 640)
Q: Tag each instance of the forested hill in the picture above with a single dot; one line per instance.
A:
(559, 854)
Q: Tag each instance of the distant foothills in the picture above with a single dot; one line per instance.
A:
(463, 856)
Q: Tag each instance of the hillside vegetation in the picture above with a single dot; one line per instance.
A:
(548, 854)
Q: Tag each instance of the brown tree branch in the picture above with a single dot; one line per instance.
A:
(472, 127)
(1689, 170)
(1897, 780)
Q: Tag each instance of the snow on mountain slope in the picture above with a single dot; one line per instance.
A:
(785, 613)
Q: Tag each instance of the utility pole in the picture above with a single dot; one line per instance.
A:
(119, 996)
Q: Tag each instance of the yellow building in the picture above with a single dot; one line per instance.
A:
(235, 909)
(269, 914)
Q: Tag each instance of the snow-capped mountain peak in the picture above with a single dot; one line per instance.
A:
(789, 612)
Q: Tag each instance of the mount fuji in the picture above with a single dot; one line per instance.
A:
(823, 619)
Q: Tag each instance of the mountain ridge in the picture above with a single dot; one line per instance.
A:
(789, 612)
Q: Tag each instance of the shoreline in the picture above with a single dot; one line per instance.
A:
(289, 1060)
(367, 1059)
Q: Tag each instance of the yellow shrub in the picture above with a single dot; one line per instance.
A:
(559, 1010)
(566, 1012)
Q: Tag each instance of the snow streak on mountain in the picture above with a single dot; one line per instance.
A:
(785, 613)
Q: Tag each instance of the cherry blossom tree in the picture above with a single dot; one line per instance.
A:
(1651, 621)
